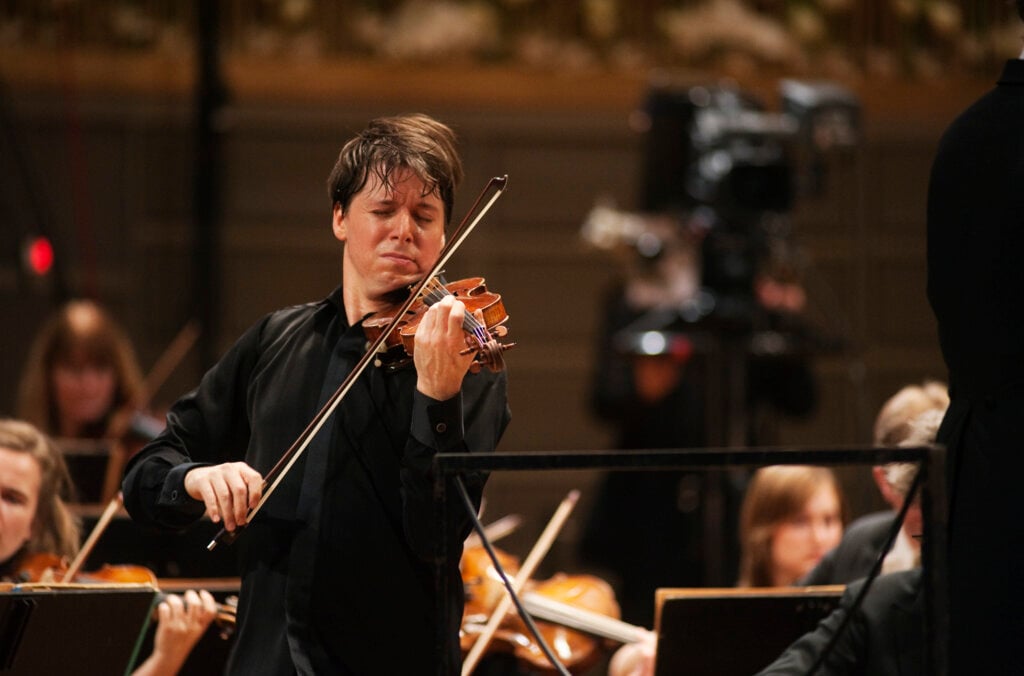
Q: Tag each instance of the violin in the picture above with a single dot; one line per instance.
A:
(577, 612)
(483, 334)
(45, 568)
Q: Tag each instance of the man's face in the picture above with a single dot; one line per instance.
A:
(913, 522)
(392, 237)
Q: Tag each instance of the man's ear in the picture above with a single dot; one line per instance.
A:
(338, 223)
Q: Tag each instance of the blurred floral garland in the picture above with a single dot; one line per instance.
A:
(848, 38)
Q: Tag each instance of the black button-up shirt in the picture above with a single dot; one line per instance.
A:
(347, 586)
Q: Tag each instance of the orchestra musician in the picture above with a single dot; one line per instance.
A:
(340, 562)
(82, 386)
(80, 371)
(791, 516)
(910, 417)
(34, 520)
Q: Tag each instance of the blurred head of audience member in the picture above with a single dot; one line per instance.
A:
(80, 371)
(791, 516)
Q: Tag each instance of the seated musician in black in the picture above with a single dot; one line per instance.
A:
(911, 417)
(884, 636)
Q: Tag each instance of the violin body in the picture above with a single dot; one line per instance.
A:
(577, 650)
(47, 568)
(482, 339)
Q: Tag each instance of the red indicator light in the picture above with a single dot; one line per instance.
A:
(39, 255)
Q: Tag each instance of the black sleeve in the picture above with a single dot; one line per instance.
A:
(847, 657)
(471, 422)
(206, 426)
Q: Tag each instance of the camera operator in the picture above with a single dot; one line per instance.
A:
(702, 336)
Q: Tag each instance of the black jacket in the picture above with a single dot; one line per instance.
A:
(338, 566)
(976, 287)
(853, 557)
(885, 637)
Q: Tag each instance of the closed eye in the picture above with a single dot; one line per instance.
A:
(13, 497)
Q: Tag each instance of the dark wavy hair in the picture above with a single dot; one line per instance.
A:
(415, 142)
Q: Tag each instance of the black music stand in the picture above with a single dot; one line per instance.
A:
(85, 630)
(734, 632)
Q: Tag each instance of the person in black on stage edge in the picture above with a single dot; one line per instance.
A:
(975, 286)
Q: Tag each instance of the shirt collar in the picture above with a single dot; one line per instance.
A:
(1013, 72)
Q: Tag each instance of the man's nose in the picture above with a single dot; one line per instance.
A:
(404, 226)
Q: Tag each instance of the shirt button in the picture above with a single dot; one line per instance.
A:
(441, 428)
(174, 495)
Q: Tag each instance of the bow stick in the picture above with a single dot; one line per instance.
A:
(506, 525)
(94, 536)
(298, 447)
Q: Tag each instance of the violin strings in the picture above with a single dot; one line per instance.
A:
(435, 291)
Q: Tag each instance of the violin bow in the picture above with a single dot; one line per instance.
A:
(94, 536)
(494, 531)
(298, 447)
(536, 555)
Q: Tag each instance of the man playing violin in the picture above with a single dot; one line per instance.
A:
(338, 563)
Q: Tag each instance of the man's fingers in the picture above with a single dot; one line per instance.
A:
(209, 603)
(229, 491)
(456, 317)
(224, 501)
(254, 486)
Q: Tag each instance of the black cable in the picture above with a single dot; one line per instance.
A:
(876, 568)
(478, 527)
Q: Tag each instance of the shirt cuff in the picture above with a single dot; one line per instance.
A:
(173, 493)
(437, 424)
